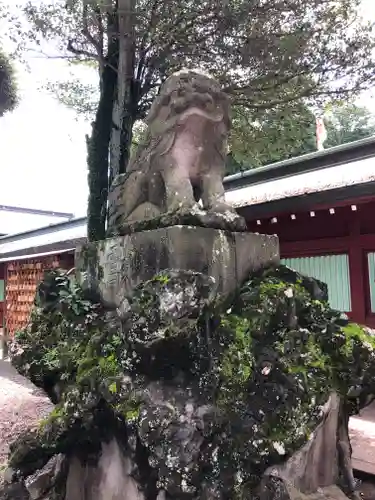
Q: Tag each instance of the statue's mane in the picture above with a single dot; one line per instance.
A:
(177, 93)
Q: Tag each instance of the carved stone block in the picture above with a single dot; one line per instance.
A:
(116, 265)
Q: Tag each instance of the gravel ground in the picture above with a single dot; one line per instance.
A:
(22, 406)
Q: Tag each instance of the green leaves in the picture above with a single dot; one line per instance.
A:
(288, 130)
(264, 53)
(77, 95)
(8, 85)
(113, 388)
(268, 136)
(348, 123)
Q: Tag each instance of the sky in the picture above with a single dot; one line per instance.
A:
(43, 148)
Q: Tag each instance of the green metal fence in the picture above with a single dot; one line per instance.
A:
(371, 277)
(332, 270)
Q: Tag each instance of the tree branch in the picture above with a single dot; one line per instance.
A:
(310, 92)
(95, 43)
(86, 31)
(143, 50)
(80, 52)
(99, 24)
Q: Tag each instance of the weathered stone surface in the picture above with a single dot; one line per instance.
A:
(115, 266)
(226, 221)
(43, 480)
(278, 489)
(195, 398)
(15, 491)
(176, 446)
(316, 288)
(163, 309)
(320, 450)
(182, 159)
(109, 479)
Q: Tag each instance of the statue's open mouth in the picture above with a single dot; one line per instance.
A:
(213, 116)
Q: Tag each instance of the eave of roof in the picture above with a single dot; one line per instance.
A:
(57, 237)
(59, 226)
(309, 201)
(34, 211)
(318, 160)
(35, 254)
(347, 175)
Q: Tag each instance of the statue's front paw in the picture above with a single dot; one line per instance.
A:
(223, 208)
(184, 207)
(229, 216)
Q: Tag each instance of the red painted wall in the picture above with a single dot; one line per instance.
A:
(345, 231)
(2, 303)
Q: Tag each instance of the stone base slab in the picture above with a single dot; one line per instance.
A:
(116, 265)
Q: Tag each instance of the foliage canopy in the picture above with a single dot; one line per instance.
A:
(289, 130)
(8, 87)
(262, 52)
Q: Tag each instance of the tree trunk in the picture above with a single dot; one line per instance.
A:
(98, 147)
(125, 102)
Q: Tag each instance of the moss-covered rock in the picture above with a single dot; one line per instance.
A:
(199, 393)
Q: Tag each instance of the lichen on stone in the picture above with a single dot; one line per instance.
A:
(192, 217)
(203, 392)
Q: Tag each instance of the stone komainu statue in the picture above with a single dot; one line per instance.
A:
(182, 159)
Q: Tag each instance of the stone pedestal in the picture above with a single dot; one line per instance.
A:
(116, 265)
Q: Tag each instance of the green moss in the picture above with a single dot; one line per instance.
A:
(71, 344)
(238, 358)
(89, 259)
(162, 278)
(128, 409)
(265, 359)
(182, 218)
(274, 373)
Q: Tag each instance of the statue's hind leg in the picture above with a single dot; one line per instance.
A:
(124, 198)
(144, 211)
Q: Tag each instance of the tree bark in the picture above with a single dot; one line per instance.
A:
(98, 148)
(126, 101)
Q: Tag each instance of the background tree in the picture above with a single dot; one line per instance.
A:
(8, 87)
(264, 53)
(279, 133)
(348, 123)
(289, 130)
